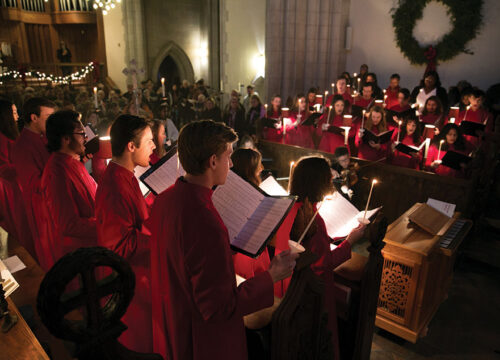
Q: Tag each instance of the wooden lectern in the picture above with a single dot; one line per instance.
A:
(417, 273)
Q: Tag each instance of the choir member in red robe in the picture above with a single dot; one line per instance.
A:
(410, 135)
(453, 140)
(476, 113)
(335, 117)
(366, 99)
(342, 90)
(67, 188)
(159, 138)
(433, 113)
(12, 210)
(29, 156)
(274, 112)
(303, 134)
(403, 103)
(311, 99)
(247, 163)
(311, 181)
(121, 211)
(376, 123)
(197, 308)
(392, 92)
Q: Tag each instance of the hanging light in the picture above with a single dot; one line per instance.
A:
(105, 5)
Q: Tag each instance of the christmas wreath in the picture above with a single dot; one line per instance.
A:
(466, 19)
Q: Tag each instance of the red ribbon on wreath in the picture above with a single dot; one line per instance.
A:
(430, 55)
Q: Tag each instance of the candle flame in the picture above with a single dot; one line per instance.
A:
(374, 181)
(95, 89)
(292, 163)
(442, 141)
(162, 80)
(400, 122)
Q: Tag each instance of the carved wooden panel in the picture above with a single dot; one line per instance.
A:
(395, 288)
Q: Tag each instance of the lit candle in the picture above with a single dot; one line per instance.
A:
(333, 88)
(265, 105)
(399, 130)
(355, 74)
(346, 133)
(359, 84)
(317, 107)
(163, 87)
(452, 120)
(374, 181)
(466, 111)
(363, 119)
(329, 111)
(324, 100)
(96, 105)
(439, 151)
(311, 221)
(427, 143)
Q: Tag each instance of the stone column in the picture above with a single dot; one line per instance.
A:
(135, 39)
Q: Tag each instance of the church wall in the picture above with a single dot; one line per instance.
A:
(243, 36)
(179, 21)
(114, 33)
(373, 43)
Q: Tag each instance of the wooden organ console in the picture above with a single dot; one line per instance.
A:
(417, 273)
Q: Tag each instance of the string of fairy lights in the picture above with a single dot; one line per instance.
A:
(78, 75)
(105, 5)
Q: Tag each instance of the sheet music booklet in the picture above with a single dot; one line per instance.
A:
(272, 187)
(453, 159)
(251, 216)
(138, 171)
(381, 138)
(407, 149)
(339, 214)
(470, 127)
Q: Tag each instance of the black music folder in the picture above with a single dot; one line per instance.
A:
(408, 149)
(336, 130)
(470, 127)
(251, 216)
(453, 159)
(400, 115)
(312, 120)
(269, 122)
(381, 138)
(92, 144)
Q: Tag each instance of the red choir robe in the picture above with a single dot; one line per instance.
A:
(29, 156)
(120, 212)
(99, 165)
(346, 96)
(442, 170)
(69, 194)
(12, 210)
(479, 116)
(197, 308)
(364, 103)
(330, 141)
(303, 134)
(318, 244)
(399, 158)
(392, 97)
(398, 108)
(271, 133)
(365, 151)
(433, 119)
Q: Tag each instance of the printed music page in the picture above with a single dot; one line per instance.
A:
(164, 176)
(272, 187)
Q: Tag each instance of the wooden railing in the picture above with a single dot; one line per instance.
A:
(8, 3)
(56, 5)
(76, 5)
(33, 5)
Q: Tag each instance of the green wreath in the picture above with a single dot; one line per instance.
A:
(466, 19)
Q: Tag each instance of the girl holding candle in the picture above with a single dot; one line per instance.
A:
(409, 135)
(274, 113)
(329, 140)
(375, 123)
(311, 181)
(454, 141)
(303, 134)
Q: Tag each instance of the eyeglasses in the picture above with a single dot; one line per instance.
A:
(81, 133)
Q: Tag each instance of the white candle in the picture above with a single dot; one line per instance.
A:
(329, 110)
(427, 143)
(96, 105)
(333, 88)
(346, 133)
(284, 127)
(466, 111)
(439, 151)
(399, 130)
(163, 87)
(324, 100)
(310, 222)
(452, 120)
(374, 181)
(363, 120)
(359, 83)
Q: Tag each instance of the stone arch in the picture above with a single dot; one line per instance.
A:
(180, 58)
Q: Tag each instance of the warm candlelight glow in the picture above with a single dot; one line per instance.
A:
(452, 120)
(374, 181)
(439, 151)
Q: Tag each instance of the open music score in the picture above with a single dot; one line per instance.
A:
(340, 216)
(138, 171)
(250, 216)
(164, 173)
(272, 187)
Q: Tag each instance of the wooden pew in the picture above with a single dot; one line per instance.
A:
(398, 188)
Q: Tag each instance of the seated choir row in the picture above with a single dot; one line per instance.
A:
(411, 125)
